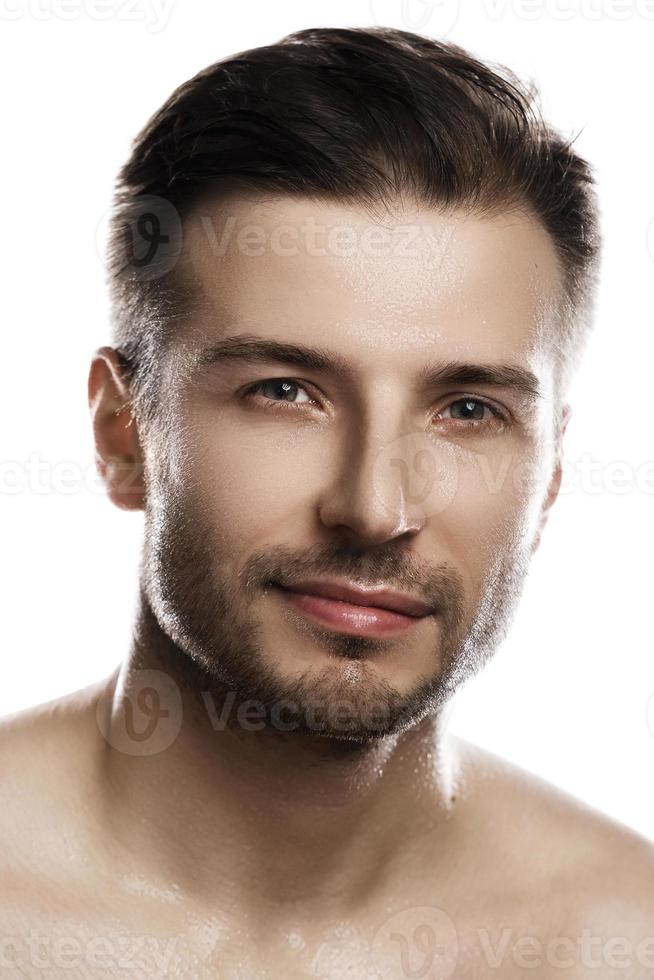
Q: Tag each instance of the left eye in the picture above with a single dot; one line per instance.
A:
(284, 387)
(470, 410)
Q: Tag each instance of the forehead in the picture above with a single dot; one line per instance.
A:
(417, 282)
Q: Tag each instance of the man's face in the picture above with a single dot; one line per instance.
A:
(415, 455)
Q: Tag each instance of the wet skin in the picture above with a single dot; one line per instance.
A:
(250, 849)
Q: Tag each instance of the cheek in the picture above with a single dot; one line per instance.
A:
(253, 483)
(495, 508)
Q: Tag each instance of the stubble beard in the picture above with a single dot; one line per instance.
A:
(213, 648)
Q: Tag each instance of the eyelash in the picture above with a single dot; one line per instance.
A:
(273, 406)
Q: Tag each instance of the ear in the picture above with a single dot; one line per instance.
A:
(118, 455)
(555, 480)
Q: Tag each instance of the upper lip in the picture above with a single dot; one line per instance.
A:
(383, 598)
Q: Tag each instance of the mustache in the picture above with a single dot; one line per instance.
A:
(440, 586)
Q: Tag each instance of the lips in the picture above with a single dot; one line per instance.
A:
(383, 599)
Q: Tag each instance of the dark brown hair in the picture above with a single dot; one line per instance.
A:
(363, 115)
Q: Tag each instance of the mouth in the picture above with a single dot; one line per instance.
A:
(360, 617)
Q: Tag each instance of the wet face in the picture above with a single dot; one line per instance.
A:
(365, 402)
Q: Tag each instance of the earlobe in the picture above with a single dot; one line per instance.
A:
(117, 448)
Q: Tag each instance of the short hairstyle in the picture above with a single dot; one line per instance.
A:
(358, 115)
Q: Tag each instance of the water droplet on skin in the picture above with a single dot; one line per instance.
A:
(295, 940)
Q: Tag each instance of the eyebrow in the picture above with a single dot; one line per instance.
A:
(252, 349)
(495, 375)
(248, 348)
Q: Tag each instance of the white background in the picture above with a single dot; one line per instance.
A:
(569, 695)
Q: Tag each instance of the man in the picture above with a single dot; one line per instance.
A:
(351, 274)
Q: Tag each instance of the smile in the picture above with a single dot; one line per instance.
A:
(348, 617)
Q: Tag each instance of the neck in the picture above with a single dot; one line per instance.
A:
(212, 795)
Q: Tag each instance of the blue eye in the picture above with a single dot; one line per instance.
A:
(284, 387)
(470, 410)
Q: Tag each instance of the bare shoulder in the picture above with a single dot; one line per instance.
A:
(45, 741)
(591, 874)
(49, 759)
(574, 841)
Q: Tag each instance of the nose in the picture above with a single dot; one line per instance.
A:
(369, 497)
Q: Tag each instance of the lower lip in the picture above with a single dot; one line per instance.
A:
(348, 617)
